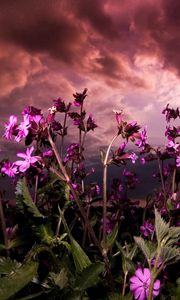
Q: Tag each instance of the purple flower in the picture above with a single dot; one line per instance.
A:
(140, 282)
(91, 123)
(178, 161)
(133, 157)
(47, 153)
(142, 139)
(131, 129)
(60, 105)
(9, 169)
(118, 114)
(147, 228)
(9, 127)
(79, 97)
(28, 159)
(171, 113)
(23, 129)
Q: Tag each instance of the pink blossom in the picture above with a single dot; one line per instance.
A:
(23, 129)
(178, 161)
(133, 157)
(140, 282)
(9, 127)
(28, 159)
(9, 169)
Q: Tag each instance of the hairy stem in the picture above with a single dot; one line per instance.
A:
(63, 129)
(105, 165)
(3, 224)
(162, 179)
(75, 196)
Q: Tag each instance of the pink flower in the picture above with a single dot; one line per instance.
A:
(28, 159)
(9, 127)
(23, 129)
(178, 161)
(133, 157)
(9, 169)
(140, 282)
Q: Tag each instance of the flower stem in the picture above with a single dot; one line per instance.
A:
(63, 130)
(3, 224)
(162, 179)
(124, 283)
(76, 198)
(105, 164)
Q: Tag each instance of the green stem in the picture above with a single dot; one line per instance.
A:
(62, 139)
(105, 164)
(3, 224)
(162, 179)
(75, 196)
(173, 180)
(124, 283)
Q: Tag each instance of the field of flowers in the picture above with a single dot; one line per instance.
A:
(64, 238)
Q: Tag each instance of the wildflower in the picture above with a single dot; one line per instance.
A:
(147, 228)
(142, 139)
(79, 97)
(91, 123)
(140, 282)
(23, 129)
(9, 127)
(73, 153)
(130, 129)
(171, 113)
(47, 153)
(133, 157)
(178, 161)
(28, 159)
(9, 169)
(60, 105)
(118, 114)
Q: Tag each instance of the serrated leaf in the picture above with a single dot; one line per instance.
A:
(89, 276)
(7, 265)
(44, 232)
(13, 283)
(143, 246)
(23, 195)
(161, 227)
(170, 255)
(81, 260)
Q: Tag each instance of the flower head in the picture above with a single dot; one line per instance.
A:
(133, 157)
(140, 282)
(142, 139)
(147, 228)
(28, 159)
(9, 127)
(9, 169)
(79, 97)
(171, 113)
(91, 123)
(23, 129)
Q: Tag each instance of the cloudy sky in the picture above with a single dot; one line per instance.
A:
(126, 52)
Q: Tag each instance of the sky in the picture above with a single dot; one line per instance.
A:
(125, 52)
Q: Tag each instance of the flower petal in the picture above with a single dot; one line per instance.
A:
(24, 167)
(139, 273)
(137, 292)
(23, 155)
(136, 280)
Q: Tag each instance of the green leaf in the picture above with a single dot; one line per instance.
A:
(89, 276)
(81, 260)
(111, 238)
(17, 280)
(170, 255)
(161, 227)
(143, 245)
(24, 197)
(44, 232)
(7, 265)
